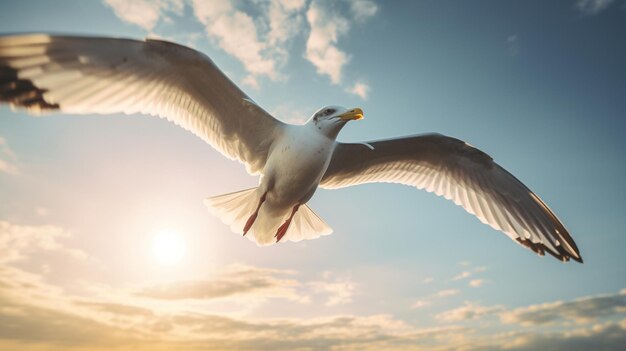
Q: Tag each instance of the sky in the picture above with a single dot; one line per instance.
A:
(105, 243)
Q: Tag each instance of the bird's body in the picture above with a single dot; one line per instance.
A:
(298, 159)
(81, 75)
(297, 163)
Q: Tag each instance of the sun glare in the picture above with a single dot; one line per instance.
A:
(168, 247)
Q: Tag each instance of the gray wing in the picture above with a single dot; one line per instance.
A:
(459, 172)
(83, 75)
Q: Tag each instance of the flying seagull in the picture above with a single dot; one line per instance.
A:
(84, 75)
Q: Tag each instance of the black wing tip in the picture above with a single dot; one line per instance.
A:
(540, 249)
(22, 92)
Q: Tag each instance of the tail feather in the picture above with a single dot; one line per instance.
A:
(306, 225)
(234, 209)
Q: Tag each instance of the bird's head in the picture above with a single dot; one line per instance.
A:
(330, 119)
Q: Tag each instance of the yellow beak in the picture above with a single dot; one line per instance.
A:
(354, 114)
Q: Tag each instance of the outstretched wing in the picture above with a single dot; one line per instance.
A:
(459, 172)
(83, 75)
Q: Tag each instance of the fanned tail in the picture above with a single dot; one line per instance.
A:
(234, 209)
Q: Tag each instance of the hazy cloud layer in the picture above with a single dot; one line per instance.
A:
(592, 7)
(35, 311)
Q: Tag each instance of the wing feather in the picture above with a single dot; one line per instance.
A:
(83, 75)
(461, 173)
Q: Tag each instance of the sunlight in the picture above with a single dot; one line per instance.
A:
(168, 247)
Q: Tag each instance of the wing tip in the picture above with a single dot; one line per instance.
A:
(22, 93)
(540, 249)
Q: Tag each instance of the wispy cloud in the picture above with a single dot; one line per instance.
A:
(592, 7)
(321, 47)
(328, 25)
(583, 310)
(476, 283)
(237, 281)
(7, 158)
(513, 45)
(290, 113)
(362, 10)
(447, 292)
(420, 304)
(285, 20)
(462, 275)
(145, 13)
(18, 242)
(607, 337)
(360, 89)
(339, 290)
(468, 272)
(466, 312)
(7, 167)
(236, 33)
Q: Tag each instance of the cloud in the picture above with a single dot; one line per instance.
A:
(513, 45)
(476, 283)
(35, 312)
(359, 89)
(19, 242)
(8, 157)
(259, 33)
(236, 281)
(251, 81)
(602, 337)
(339, 290)
(327, 26)
(363, 9)
(420, 304)
(41, 211)
(592, 7)
(285, 20)
(116, 308)
(144, 13)
(290, 114)
(258, 42)
(466, 312)
(462, 275)
(8, 168)
(236, 33)
(90, 325)
(447, 292)
(469, 273)
(582, 310)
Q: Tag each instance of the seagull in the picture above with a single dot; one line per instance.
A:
(93, 75)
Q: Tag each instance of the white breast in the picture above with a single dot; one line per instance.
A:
(295, 166)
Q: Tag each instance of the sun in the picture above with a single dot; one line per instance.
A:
(168, 247)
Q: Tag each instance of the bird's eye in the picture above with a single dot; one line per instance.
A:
(329, 111)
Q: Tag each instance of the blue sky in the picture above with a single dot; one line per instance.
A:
(540, 86)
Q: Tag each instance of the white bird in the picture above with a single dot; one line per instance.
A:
(83, 75)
